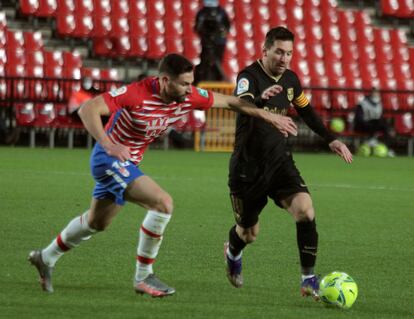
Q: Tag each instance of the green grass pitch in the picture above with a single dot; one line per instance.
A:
(365, 217)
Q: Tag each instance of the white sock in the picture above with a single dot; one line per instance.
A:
(71, 236)
(150, 238)
(307, 276)
(230, 255)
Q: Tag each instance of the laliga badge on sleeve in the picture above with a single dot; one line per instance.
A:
(202, 92)
(242, 86)
(118, 91)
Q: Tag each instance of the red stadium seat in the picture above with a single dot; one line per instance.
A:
(45, 115)
(190, 9)
(65, 7)
(102, 26)
(192, 48)
(25, 114)
(103, 47)
(47, 8)
(156, 47)
(174, 45)
(261, 13)
(120, 8)
(15, 56)
(33, 41)
(84, 7)
(139, 46)
(137, 9)
(101, 7)
(122, 46)
(242, 11)
(65, 24)
(173, 28)
(84, 26)
(72, 63)
(29, 7)
(155, 9)
(173, 10)
(244, 31)
(156, 28)
(277, 15)
(53, 58)
(406, 100)
(14, 40)
(34, 58)
(138, 27)
(404, 124)
(120, 26)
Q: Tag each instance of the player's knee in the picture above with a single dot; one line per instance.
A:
(249, 236)
(99, 225)
(165, 204)
(305, 214)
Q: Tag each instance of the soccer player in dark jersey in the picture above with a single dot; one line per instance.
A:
(139, 113)
(261, 165)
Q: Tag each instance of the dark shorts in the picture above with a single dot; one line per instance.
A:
(248, 198)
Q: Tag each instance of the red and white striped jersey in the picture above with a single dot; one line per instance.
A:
(139, 115)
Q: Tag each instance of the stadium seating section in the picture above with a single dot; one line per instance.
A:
(334, 47)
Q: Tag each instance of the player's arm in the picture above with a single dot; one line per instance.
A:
(283, 123)
(90, 114)
(309, 116)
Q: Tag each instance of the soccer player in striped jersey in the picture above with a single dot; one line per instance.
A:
(139, 113)
(262, 166)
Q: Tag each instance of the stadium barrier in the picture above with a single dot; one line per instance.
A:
(218, 133)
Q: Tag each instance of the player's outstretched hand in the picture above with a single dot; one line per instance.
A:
(271, 91)
(342, 150)
(121, 152)
(283, 123)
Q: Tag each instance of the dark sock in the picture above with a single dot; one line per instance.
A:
(236, 244)
(307, 238)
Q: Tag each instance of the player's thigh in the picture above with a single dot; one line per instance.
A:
(300, 206)
(102, 212)
(145, 192)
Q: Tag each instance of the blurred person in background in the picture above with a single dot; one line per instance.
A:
(212, 25)
(369, 119)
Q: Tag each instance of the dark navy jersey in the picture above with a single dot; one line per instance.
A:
(257, 141)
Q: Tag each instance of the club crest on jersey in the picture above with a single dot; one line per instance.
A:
(242, 86)
(202, 92)
(290, 94)
(118, 91)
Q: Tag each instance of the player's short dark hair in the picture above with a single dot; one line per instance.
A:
(278, 33)
(175, 64)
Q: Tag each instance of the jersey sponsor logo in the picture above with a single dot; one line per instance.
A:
(202, 92)
(290, 94)
(242, 86)
(118, 91)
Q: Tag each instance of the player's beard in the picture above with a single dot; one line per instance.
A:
(178, 98)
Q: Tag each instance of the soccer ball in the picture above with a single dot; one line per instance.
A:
(338, 289)
(380, 150)
(364, 150)
(337, 125)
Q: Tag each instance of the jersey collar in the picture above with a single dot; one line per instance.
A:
(275, 78)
